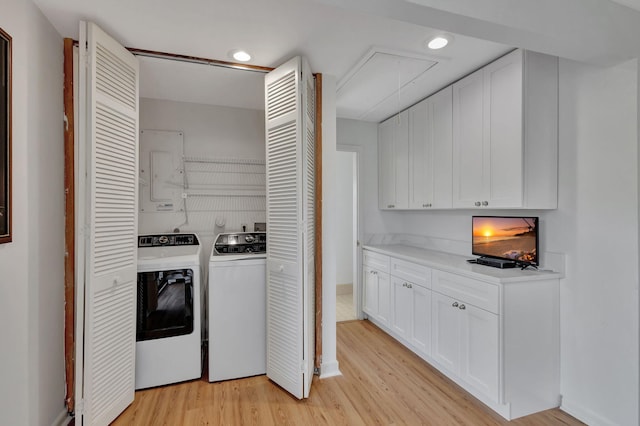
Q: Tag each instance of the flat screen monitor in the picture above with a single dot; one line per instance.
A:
(508, 238)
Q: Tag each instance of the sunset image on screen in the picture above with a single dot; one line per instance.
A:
(505, 237)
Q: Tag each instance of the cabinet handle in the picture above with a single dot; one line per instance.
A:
(426, 205)
(404, 284)
(374, 272)
(455, 304)
(477, 203)
(485, 203)
(462, 307)
(390, 206)
(409, 285)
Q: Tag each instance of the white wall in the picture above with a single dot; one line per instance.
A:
(31, 278)
(365, 135)
(329, 366)
(595, 225)
(14, 290)
(209, 132)
(344, 216)
(209, 129)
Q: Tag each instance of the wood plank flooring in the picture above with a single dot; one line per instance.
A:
(383, 383)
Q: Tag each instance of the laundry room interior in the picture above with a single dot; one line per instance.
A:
(202, 164)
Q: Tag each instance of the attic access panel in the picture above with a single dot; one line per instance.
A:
(377, 79)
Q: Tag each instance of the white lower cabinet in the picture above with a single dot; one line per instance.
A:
(370, 297)
(402, 294)
(376, 288)
(479, 350)
(411, 304)
(376, 294)
(420, 336)
(465, 342)
(446, 322)
(497, 338)
(383, 298)
(411, 314)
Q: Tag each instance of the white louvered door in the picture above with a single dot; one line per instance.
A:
(109, 114)
(308, 219)
(290, 264)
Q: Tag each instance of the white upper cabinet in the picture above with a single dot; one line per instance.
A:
(468, 137)
(393, 156)
(430, 151)
(415, 156)
(505, 142)
(489, 140)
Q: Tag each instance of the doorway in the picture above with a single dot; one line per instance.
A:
(347, 282)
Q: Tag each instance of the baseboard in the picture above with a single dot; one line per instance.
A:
(62, 419)
(584, 414)
(329, 369)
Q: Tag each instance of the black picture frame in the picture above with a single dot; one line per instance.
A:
(5, 136)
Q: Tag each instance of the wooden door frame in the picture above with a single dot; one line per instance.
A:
(69, 227)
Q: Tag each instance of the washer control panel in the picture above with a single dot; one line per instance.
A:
(168, 240)
(241, 243)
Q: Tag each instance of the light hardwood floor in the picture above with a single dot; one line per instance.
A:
(383, 383)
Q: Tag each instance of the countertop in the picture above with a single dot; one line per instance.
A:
(458, 264)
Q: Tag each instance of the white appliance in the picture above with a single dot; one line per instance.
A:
(169, 314)
(237, 306)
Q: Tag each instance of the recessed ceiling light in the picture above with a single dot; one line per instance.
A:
(240, 55)
(438, 42)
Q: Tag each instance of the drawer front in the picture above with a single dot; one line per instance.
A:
(376, 261)
(467, 290)
(411, 272)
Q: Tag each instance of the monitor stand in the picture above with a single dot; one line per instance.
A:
(496, 263)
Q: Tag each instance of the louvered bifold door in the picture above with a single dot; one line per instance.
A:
(285, 322)
(308, 211)
(111, 133)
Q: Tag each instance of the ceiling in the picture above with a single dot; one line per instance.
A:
(336, 40)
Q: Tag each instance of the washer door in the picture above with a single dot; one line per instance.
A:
(165, 304)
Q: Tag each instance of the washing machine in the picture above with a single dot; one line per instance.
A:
(237, 300)
(169, 311)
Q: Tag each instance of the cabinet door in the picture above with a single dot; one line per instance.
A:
(402, 304)
(386, 165)
(430, 151)
(503, 113)
(420, 156)
(469, 162)
(370, 287)
(441, 116)
(479, 340)
(420, 329)
(401, 155)
(445, 331)
(384, 293)
(393, 157)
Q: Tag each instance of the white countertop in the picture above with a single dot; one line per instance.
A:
(459, 265)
